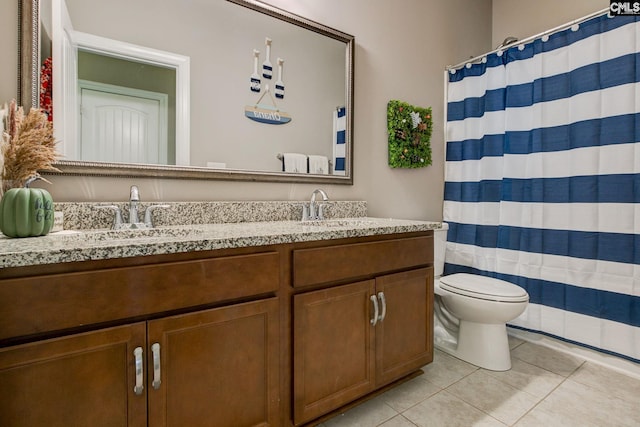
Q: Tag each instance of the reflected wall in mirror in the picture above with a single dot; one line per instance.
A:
(133, 86)
(218, 38)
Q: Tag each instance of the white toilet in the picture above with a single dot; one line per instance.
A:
(471, 313)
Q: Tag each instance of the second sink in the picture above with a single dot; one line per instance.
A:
(340, 222)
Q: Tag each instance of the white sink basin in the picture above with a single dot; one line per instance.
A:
(127, 234)
(341, 222)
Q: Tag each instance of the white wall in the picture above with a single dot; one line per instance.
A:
(525, 18)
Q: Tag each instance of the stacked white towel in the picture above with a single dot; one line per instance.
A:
(318, 165)
(295, 162)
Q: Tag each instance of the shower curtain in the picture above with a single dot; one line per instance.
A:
(542, 179)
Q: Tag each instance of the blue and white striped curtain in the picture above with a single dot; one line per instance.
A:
(542, 181)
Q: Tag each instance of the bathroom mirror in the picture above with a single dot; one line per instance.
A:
(218, 40)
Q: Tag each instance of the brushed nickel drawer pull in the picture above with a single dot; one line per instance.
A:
(383, 303)
(374, 320)
(137, 353)
(155, 349)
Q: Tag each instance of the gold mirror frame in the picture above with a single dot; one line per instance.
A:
(28, 89)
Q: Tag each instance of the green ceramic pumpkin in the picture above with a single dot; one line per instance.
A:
(26, 212)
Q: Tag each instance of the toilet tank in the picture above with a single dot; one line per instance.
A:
(439, 243)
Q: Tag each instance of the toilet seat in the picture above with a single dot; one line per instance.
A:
(483, 287)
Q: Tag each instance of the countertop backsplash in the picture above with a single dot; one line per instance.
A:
(85, 216)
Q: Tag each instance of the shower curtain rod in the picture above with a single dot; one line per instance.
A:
(528, 39)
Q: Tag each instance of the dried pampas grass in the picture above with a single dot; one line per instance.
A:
(27, 146)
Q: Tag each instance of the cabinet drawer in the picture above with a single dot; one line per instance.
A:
(38, 304)
(334, 263)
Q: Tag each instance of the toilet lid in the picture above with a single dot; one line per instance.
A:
(483, 287)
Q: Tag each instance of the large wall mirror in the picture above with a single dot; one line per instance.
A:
(198, 89)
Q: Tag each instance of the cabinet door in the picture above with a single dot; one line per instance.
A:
(404, 338)
(333, 348)
(81, 380)
(218, 367)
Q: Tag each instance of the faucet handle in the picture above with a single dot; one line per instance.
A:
(305, 213)
(117, 217)
(148, 214)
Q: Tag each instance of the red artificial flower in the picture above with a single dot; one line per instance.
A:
(46, 88)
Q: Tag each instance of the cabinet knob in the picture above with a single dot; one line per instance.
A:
(374, 320)
(137, 354)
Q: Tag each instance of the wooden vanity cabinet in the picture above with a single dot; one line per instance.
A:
(351, 339)
(333, 349)
(220, 367)
(202, 367)
(404, 338)
(214, 367)
(277, 335)
(82, 380)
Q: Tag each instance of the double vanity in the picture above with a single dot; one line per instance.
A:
(270, 322)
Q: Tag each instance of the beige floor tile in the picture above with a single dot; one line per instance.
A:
(514, 342)
(547, 358)
(410, 393)
(445, 410)
(534, 393)
(446, 370)
(530, 378)
(369, 414)
(574, 404)
(398, 421)
(500, 400)
(538, 417)
(608, 381)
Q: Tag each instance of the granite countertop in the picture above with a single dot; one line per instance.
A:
(69, 246)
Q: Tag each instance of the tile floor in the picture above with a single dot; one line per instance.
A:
(544, 388)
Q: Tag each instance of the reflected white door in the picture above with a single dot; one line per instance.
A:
(122, 128)
(65, 84)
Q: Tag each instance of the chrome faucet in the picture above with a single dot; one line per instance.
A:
(134, 199)
(134, 217)
(134, 214)
(315, 212)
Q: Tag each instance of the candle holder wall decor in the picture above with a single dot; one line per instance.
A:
(409, 130)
